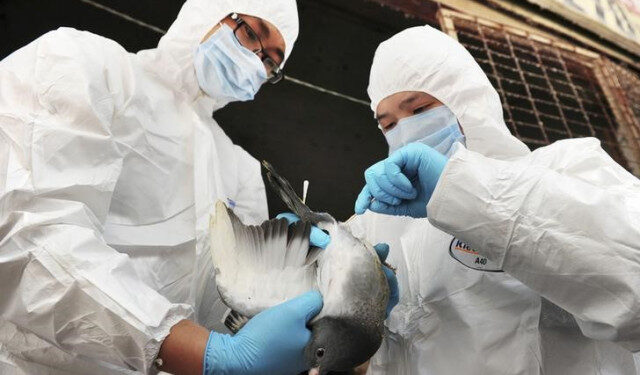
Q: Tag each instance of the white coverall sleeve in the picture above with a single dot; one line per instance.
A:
(59, 163)
(564, 220)
(251, 201)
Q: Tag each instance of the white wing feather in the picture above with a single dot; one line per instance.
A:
(258, 267)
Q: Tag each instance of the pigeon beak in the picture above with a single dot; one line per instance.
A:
(314, 371)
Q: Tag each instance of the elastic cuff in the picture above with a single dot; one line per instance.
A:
(460, 202)
(440, 199)
(439, 196)
(152, 349)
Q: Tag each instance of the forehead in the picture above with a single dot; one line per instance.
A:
(395, 101)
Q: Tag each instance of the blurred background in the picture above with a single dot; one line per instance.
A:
(563, 68)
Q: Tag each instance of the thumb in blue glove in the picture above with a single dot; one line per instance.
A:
(317, 238)
(382, 249)
(272, 342)
(403, 183)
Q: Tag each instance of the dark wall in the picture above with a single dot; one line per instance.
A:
(303, 132)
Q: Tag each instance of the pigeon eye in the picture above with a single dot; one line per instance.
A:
(320, 352)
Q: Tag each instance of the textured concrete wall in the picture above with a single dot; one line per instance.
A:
(305, 133)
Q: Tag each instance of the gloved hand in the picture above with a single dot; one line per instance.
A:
(403, 183)
(318, 238)
(272, 342)
(382, 249)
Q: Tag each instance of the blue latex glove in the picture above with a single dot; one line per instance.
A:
(318, 238)
(394, 296)
(272, 342)
(403, 183)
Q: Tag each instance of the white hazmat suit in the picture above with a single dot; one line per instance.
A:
(543, 217)
(110, 164)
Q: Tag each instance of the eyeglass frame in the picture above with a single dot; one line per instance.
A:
(277, 74)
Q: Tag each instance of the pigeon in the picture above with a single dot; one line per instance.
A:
(257, 267)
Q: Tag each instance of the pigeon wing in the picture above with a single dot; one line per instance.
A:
(257, 267)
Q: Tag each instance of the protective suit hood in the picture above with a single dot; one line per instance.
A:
(196, 18)
(425, 59)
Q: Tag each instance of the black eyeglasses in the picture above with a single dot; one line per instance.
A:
(250, 40)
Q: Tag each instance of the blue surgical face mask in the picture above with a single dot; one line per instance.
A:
(437, 128)
(226, 70)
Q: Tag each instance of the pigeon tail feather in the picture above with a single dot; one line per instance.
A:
(288, 195)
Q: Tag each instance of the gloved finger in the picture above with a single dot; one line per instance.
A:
(382, 249)
(376, 191)
(380, 207)
(363, 201)
(393, 189)
(408, 158)
(383, 208)
(319, 238)
(306, 305)
(394, 292)
(398, 179)
(289, 216)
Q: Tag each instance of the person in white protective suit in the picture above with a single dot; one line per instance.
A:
(110, 165)
(562, 222)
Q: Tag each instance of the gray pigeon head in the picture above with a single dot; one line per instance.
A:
(340, 344)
